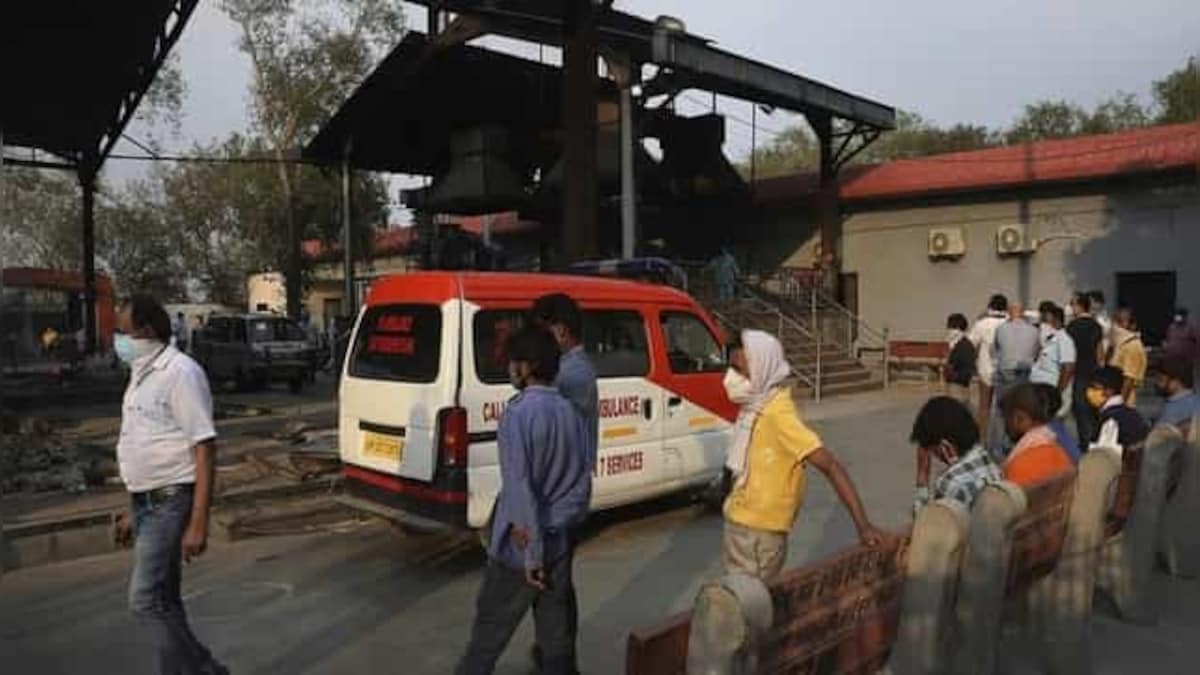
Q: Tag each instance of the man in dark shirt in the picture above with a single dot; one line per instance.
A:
(959, 368)
(1085, 331)
(1104, 394)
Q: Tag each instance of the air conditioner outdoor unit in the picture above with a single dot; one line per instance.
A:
(947, 242)
(1013, 240)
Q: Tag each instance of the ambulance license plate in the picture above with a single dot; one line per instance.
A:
(382, 446)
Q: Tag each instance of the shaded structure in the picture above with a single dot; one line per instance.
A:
(73, 76)
(498, 132)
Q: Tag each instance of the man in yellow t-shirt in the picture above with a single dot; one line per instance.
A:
(1129, 353)
(770, 450)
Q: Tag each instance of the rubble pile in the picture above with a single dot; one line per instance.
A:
(34, 457)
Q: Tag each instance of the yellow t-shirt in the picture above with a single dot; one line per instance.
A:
(1130, 356)
(770, 495)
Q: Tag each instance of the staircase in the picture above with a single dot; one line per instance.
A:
(824, 342)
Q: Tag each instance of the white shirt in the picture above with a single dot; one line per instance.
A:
(166, 412)
(983, 336)
(1058, 350)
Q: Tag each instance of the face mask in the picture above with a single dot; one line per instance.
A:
(1045, 329)
(1162, 390)
(738, 387)
(1178, 318)
(130, 349)
(1096, 397)
(953, 334)
(514, 377)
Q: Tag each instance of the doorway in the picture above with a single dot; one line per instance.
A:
(1151, 296)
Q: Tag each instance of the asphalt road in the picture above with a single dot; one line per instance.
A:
(373, 600)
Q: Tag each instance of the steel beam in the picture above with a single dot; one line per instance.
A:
(350, 302)
(577, 240)
(762, 83)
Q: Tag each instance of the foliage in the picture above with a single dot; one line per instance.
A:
(135, 245)
(306, 58)
(1178, 94)
(41, 219)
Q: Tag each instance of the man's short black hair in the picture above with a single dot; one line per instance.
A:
(956, 321)
(1045, 306)
(1024, 397)
(559, 308)
(944, 418)
(1055, 312)
(1109, 377)
(1178, 368)
(1084, 301)
(1050, 397)
(998, 303)
(537, 347)
(1096, 296)
(145, 310)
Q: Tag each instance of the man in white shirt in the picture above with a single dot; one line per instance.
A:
(983, 336)
(166, 454)
(1055, 364)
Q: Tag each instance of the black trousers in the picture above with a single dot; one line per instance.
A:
(504, 598)
(1087, 420)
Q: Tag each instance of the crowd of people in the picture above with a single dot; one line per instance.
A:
(1031, 375)
(1035, 372)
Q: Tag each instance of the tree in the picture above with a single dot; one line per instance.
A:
(306, 57)
(914, 136)
(135, 245)
(1120, 112)
(1178, 94)
(1047, 119)
(794, 150)
(42, 212)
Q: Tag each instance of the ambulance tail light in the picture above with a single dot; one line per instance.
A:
(452, 437)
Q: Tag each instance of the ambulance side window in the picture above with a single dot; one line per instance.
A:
(691, 347)
(492, 329)
(616, 342)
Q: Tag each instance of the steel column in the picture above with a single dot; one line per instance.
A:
(578, 224)
(350, 302)
(628, 190)
(827, 207)
(87, 181)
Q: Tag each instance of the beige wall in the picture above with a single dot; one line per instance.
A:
(1131, 230)
(270, 289)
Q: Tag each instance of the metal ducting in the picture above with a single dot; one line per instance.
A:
(479, 180)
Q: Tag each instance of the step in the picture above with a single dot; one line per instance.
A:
(845, 377)
(841, 389)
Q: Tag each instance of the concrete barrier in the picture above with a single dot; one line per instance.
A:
(924, 640)
(1179, 539)
(1058, 616)
(730, 621)
(1128, 557)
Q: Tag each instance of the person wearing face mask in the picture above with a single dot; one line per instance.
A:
(576, 379)
(945, 430)
(771, 448)
(1129, 353)
(166, 453)
(959, 368)
(1104, 394)
(1055, 364)
(545, 490)
(1174, 381)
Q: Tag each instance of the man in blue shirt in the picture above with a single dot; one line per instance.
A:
(546, 488)
(1174, 383)
(576, 378)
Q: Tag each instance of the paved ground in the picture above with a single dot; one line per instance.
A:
(371, 600)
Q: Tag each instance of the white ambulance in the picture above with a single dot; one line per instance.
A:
(426, 381)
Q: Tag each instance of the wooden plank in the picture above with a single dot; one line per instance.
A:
(1127, 480)
(661, 648)
(1039, 535)
(838, 615)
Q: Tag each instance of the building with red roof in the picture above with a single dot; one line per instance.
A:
(925, 237)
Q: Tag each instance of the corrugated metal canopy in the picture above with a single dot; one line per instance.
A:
(71, 72)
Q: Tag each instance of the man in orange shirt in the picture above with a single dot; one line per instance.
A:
(1037, 455)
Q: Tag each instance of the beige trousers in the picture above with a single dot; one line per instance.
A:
(757, 553)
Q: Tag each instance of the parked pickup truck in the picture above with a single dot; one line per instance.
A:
(254, 350)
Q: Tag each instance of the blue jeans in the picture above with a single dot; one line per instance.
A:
(504, 599)
(159, 520)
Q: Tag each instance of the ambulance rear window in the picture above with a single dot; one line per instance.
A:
(398, 342)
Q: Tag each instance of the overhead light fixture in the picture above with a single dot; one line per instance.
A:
(670, 24)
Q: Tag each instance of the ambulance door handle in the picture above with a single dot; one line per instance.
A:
(648, 408)
(674, 402)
